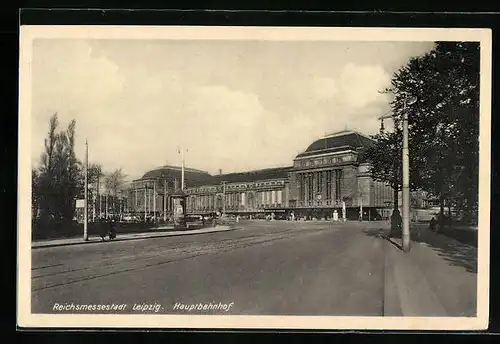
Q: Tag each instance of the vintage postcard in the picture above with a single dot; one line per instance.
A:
(254, 177)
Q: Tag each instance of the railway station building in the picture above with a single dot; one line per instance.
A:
(329, 174)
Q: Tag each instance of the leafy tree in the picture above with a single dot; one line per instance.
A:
(386, 164)
(385, 161)
(71, 169)
(444, 120)
(57, 182)
(95, 175)
(45, 187)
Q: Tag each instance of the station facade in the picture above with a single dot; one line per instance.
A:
(329, 174)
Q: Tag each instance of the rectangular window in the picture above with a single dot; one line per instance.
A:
(310, 196)
(328, 184)
(320, 182)
(302, 187)
(338, 184)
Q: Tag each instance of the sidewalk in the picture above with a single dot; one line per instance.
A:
(438, 277)
(158, 233)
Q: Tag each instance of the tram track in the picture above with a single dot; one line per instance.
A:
(159, 249)
(116, 265)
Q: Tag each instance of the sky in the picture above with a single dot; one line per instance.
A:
(233, 105)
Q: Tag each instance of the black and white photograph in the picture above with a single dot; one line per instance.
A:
(254, 177)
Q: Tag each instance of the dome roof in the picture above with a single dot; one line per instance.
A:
(337, 142)
(171, 173)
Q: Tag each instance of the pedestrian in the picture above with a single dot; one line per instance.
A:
(112, 230)
(432, 224)
(396, 223)
(102, 232)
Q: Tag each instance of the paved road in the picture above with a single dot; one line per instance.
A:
(265, 268)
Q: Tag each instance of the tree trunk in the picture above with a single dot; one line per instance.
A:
(396, 194)
(449, 216)
(441, 212)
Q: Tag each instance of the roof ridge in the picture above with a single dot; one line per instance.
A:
(178, 168)
(257, 170)
(340, 133)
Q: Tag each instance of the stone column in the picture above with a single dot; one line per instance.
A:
(306, 187)
(335, 174)
(300, 187)
(305, 184)
(317, 176)
(313, 186)
(323, 191)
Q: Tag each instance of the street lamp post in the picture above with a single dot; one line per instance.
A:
(154, 201)
(164, 200)
(145, 202)
(85, 205)
(181, 151)
(406, 173)
(406, 178)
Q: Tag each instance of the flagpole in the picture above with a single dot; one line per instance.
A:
(164, 200)
(182, 172)
(145, 202)
(154, 201)
(85, 210)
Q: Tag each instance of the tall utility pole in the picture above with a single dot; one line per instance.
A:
(85, 205)
(181, 150)
(164, 200)
(182, 172)
(154, 201)
(145, 203)
(406, 178)
(406, 173)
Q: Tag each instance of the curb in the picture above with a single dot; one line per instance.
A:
(166, 234)
(408, 292)
(392, 302)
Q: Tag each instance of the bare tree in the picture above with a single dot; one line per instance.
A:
(114, 183)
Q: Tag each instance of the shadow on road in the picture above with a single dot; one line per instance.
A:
(453, 251)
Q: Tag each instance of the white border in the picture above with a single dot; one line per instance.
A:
(26, 319)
